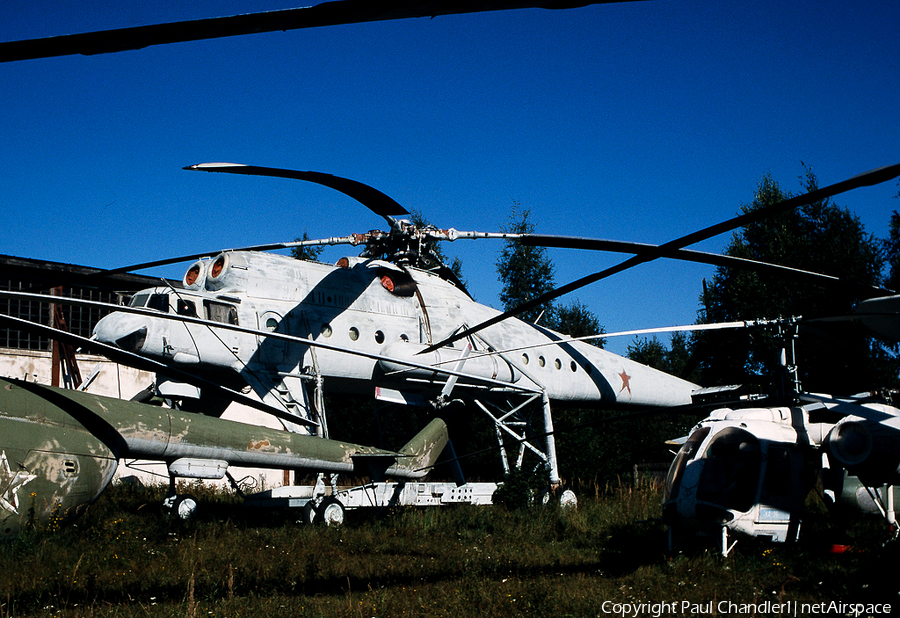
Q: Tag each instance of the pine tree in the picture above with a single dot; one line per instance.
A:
(819, 237)
(526, 272)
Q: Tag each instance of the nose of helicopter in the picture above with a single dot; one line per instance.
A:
(689, 498)
(128, 332)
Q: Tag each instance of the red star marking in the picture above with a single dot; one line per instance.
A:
(626, 382)
(10, 483)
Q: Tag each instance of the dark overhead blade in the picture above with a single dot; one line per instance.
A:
(700, 257)
(324, 14)
(881, 315)
(671, 248)
(370, 197)
(75, 278)
(139, 362)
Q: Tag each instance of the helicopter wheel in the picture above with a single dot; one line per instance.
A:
(330, 512)
(309, 513)
(182, 507)
(568, 499)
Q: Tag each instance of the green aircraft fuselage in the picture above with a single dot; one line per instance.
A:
(60, 448)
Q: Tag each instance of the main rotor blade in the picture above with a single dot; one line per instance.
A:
(130, 359)
(370, 197)
(623, 333)
(671, 248)
(700, 257)
(74, 278)
(324, 14)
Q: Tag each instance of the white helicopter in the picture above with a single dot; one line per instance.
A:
(369, 321)
(747, 470)
(293, 329)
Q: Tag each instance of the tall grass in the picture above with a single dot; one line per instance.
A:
(124, 558)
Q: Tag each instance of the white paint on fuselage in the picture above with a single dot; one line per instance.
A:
(351, 309)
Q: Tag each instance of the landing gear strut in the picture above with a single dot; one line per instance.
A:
(183, 507)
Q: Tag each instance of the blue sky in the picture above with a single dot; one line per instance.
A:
(638, 121)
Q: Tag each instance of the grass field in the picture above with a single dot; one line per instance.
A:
(124, 558)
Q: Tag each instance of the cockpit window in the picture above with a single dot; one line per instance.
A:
(139, 300)
(778, 471)
(221, 312)
(731, 469)
(186, 307)
(685, 454)
(160, 302)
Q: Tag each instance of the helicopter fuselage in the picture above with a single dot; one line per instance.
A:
(59, 448)
(748, 471)
(361, 323)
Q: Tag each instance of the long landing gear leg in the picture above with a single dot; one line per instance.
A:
(512, 427)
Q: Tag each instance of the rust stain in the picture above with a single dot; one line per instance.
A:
(253, 446)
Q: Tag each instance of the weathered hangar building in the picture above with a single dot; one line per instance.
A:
(29, 356)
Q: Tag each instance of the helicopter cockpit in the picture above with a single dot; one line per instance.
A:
(731, 470)
(738, 473)
(185, 304)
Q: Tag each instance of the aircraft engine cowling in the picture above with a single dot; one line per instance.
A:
(227, 271)
(869, 449)
(195, 277)
(476, 364)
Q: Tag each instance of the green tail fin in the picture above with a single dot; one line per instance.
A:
(420, 453)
